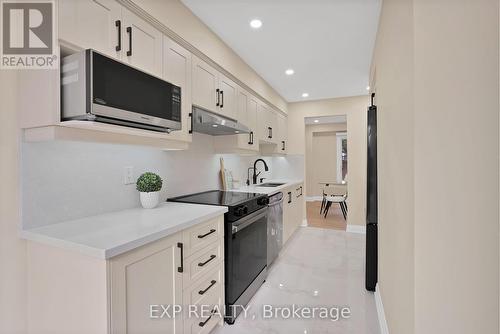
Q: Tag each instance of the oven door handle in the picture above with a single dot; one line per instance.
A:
(249, 220)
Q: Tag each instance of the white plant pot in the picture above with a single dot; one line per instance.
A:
(150, 200)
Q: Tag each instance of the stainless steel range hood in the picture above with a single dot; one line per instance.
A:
(211, 124)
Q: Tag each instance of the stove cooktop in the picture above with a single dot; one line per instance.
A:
(218, 197)
(239, 204)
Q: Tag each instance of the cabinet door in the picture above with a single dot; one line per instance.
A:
(273, 124)
(205, 84)
(263, 124)
(177, 70)
(282, 131)
(288, 214)
(91, 24)
(228, 97)
(242, 106)
(299, 206)
(141, 44)
(143, 277)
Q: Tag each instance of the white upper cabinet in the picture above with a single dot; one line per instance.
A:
(177, 70)
(205, 85)
(91, 24)
(108, 27)
(214, 91)
(282, 132)
(141, 44)
(228, 91)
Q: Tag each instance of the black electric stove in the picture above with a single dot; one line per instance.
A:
(239, 204)
(245, 243)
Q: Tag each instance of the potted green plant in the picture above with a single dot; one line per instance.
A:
(149, 186)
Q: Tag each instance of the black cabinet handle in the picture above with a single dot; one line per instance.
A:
(222, 99)
(289, 197)
(283, 143)
(217, 91)
(191, 122)
(204, 235)
(201, 264)
(270, 132)
(250, 142)
(118, 24)
(181, 268)
(203, 323)
(212, 283)
(129, 32)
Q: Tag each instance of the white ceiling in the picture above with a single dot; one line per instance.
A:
(326, 120)
(329, 43)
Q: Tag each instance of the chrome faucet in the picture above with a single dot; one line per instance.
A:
(255, 174)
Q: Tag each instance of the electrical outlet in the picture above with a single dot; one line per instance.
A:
(128, 175)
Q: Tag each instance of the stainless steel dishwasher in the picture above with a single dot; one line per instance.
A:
(274, 227)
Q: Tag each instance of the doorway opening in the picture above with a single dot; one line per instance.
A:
(327, 171)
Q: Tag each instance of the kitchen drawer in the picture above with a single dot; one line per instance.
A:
(202, 262)
(202, 235)
(205, 287)
(198, 322)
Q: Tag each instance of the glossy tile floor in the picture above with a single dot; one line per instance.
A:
(318, 267)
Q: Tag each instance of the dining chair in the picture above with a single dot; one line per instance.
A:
(340, 199)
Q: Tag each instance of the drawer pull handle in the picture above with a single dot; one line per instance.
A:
(212, 283)
(201, 264)
(204, 235)
(203, 323)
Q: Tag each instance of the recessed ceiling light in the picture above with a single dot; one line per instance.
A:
(305, 94)
(367, 87)
(316, 121)
(289, 71)
(214, 125)
(256, 23)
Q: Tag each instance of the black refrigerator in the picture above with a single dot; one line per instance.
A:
(371, 201)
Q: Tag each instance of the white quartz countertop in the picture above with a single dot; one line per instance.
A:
(111, 234)
(269, 190)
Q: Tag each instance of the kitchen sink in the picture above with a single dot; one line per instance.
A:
(270, 184)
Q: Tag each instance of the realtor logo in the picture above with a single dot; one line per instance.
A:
(28, 40)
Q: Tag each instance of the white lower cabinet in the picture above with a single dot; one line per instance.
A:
(293, 210)
(144, 277)
(129, 293)
(185, 269)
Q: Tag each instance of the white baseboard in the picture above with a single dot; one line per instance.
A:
(356, 229)
(304, 222)
(313, 198)
(380, 312)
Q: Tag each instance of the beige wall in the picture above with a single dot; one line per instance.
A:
(321, 155)
(177, 17)
(355, 109)
(438, 247)
(12, 249)
(456, 235)
(393, 60)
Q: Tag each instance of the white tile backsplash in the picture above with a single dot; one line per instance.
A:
(69, 180)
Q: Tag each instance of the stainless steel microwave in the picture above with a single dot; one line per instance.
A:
(97, 88)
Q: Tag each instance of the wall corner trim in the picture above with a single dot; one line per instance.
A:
(361, 229)
(380, 312)
(304, 222)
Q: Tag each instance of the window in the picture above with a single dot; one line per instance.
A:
(341, 157)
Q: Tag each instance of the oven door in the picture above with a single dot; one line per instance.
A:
(246, 253)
